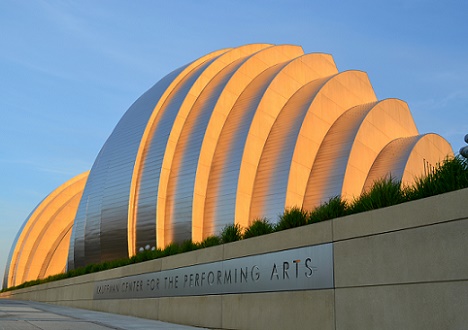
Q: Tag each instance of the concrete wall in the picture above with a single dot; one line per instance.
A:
(402, 267)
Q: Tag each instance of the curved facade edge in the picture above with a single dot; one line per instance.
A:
(41, 246)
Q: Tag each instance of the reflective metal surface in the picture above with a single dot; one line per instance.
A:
(8, 272)
(271, 182)
(311, 67)
(100, 231)
(150, 173)
(402, 156)
(171, 162)
(222, 187)
(41, 246)
(237, 134)
(261, 158)
(232, 98)
(181, 183)
(340, 168)
(297, 269)
(327, 175)
(391, 160)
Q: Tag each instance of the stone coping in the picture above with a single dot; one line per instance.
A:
(428, 211)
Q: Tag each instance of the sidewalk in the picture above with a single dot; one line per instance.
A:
(29, 315)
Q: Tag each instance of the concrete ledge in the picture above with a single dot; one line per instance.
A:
(315, 234)
(423, 212)
(203, 311)
(424, 306)
(280, 310)
(423, 254)
(401, 267)
(202, 256)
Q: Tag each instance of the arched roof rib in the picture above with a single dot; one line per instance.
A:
(270, 186)
(177, 222)
(406, 159)
(220, 200)
(163, 215)
(254, 67)
(287, 82)
(34, 252)
(351, 146)
(52, 227)
(346, 90)
(143, 195)
(107, 193)
(57, 253)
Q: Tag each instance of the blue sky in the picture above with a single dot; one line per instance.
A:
(70, 69)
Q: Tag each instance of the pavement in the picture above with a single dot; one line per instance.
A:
(29, 315)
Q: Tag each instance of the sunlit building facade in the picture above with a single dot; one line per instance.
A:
(235, 135)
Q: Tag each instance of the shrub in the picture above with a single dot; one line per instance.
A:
(451, 175)
(171, 249)
(210, 241)
(231, 233)
(293, 217)
(142, 256)
(116, 263)
(334, 208)
(259, 227)
(188, 245)
(383, 193)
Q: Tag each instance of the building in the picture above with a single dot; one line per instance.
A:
(235, 135)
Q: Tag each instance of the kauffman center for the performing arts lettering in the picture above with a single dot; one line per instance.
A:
(296, 269)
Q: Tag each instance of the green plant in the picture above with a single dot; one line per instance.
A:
(451, 175)
(293, 217)
(210, 241)
(334, 208)
(188, 245)
(259, 227)
(386, 192)
(142, 256)
(231, 233)
(171, 249)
